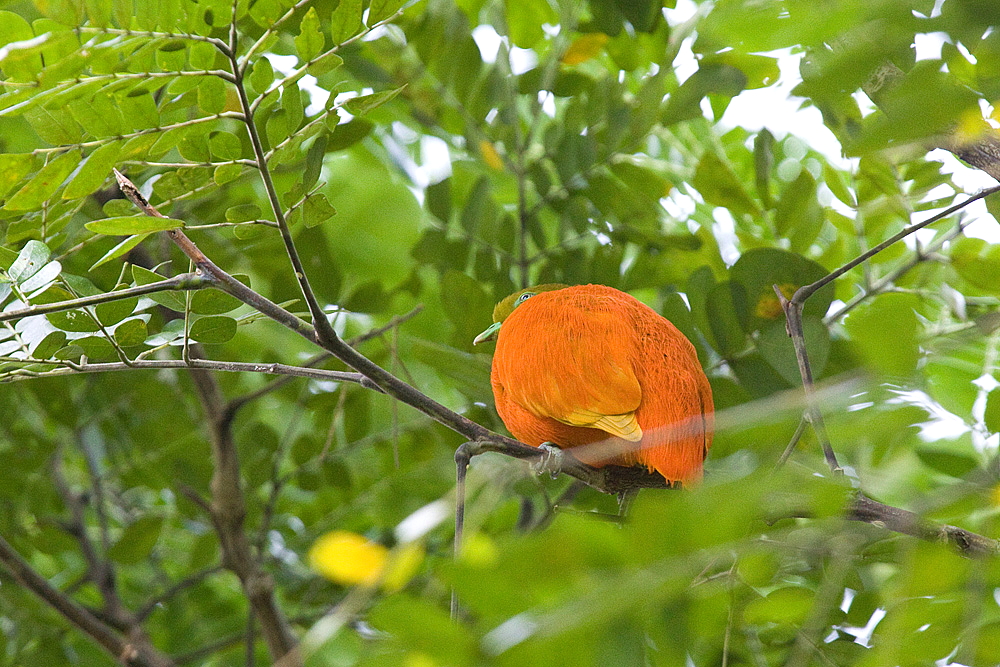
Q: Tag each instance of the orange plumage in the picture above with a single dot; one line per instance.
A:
(593, 369)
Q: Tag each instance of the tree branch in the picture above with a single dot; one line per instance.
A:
(228, 510)
(71, 367)
(184, 281)
(321, 324)
(124, 650)
(981, 151)
(969, 544)
(610, 479)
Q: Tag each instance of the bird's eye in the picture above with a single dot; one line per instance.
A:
(524, 297)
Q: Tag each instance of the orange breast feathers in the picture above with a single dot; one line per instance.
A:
(593, 369)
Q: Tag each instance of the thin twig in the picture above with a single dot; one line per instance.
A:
(184, 281)
(805, 292)
(793, 317)
(66, 367)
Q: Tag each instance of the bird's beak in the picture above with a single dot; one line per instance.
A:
(489, 334)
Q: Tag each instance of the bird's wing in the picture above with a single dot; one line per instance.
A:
(573, 364)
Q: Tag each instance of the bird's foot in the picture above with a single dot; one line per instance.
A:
(551, 461)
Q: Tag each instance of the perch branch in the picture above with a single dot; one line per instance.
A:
(610, 479)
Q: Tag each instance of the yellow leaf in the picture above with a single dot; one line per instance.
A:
(419, 659)
(768, 307)
(971, 126)
(995, 495)
(584, 48)
(403, 564)
(490, 155)
(348, 558)
(479, 551)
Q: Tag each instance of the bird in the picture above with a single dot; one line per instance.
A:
(592, 369)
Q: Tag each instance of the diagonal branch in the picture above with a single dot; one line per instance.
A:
(321, 324)
(122, 649)
(807, 291)
(969, 544)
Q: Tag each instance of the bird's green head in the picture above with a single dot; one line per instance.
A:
(507, 305)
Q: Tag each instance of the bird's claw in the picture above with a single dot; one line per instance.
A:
(551, 461)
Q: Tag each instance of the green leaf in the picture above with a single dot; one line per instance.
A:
(380, 10)
(202, 55)
(225, 145)
(291, 104)
(467, 305)
(525, 19)
(777, 349)
(226, 173)
(262, 75)
(991, 417)
(314, 162)
(97, 116)
(720, 186)
(7, 258)
(685, 102)
(884, 331)
(763, 160)
(212, 94)
(316, 210)
(213, 329)
(798, 214)
(786, 605)
(20, 63)
(137, 540)
(94, 172)
(33, 256)
(49, 345)
(346, 135)
(726, 311)
(469, 372)
(837, 182)
(760, 269)
(953, 463)
(359, 106)
(120, 249)
(14, 167)
(978, 262)
(346, 20)
(326, 63)
(132, 224)
(131, 333)
(216, 302)
(113, 312)
(139, 109)
(45, 183)
(758, 71)
(243, 213)
(310, 40)
(170, 299)
(75, 321)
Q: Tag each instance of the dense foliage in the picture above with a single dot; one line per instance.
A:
(302, 148)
